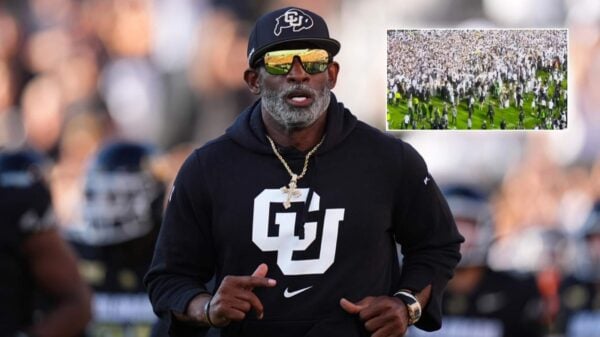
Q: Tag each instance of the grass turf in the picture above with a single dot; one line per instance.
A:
(396, 113)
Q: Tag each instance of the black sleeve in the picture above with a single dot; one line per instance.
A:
(425, 228)
(32, 208)
(184, 257)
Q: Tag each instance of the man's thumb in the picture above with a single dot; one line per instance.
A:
(261, 270)
(350, 307)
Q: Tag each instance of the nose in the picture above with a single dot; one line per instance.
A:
(297, 74)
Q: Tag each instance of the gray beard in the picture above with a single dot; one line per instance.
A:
(290, 117)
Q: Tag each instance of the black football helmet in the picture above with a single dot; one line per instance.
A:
(122, 198)
(473, 217)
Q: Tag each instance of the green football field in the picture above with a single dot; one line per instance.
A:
(396, 113)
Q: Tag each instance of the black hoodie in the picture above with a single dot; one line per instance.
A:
(363, 190)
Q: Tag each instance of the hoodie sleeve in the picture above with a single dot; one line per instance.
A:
(184, 257)
(425, 229)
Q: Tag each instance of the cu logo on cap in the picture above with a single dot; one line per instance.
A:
(293, 18)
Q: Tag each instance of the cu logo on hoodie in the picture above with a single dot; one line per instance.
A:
(286, 242)
(293, 18)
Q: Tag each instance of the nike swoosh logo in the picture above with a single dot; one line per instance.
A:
(288, 294)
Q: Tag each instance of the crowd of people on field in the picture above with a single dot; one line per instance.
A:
(480, 72)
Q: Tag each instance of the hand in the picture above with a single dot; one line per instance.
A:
(383, 316)
(234, 298)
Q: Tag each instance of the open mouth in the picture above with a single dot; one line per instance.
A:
(299, 98)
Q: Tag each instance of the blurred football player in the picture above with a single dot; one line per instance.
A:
(479, 301)
(121, 212)
(38, 269)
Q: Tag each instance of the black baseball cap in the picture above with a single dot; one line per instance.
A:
(285, 25)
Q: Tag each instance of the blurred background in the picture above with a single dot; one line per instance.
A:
(75, 74)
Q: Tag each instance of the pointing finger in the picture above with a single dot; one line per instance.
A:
(261, 270)
(250, 282)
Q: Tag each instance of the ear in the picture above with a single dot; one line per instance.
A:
(251, 77)
(332, 71)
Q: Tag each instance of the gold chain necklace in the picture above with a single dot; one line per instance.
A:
(291, 189)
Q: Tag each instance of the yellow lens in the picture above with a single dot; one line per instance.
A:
(280, 62)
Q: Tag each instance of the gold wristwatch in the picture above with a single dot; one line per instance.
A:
(413, 307)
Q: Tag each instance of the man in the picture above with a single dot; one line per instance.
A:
(521, 115)
(470, 108)
(430, 111)
(122, 204)
(454, 115)
(316, 257)
(491, 113)
(503, 124)
(35, 263)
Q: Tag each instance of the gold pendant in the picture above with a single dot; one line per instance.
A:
(291, 190)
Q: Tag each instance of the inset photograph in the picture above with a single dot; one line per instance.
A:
(477, 79)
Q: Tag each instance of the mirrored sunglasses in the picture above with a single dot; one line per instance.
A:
(279, 62)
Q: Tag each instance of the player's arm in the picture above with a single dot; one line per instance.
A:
(54, 269)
